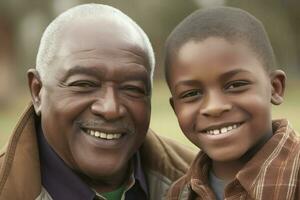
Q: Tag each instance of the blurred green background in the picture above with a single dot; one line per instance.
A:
(23, 21)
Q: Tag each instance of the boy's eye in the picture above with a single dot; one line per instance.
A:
(191, 94)
(236, 85)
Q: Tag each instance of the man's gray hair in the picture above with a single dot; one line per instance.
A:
(49, 41)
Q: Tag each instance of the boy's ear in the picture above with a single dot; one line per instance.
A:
(172, 103)
(278, 78)
(35, 86)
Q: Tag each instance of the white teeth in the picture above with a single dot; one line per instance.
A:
(97, 134)
(216, 131)
(222, 130)
(109, 136)
(102, 135)
(92, 132)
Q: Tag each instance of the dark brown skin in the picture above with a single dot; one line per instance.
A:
(99, 80)
(216, 84)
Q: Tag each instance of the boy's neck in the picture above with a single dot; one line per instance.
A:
(227, 170)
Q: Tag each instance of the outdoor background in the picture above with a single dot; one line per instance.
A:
(23, 21)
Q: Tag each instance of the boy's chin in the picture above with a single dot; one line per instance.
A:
(223, 156)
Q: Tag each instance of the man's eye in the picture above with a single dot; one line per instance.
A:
(134, 91)
(83, 84)
(236, 85)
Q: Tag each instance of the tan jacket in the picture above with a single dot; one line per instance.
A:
(164, 161)
(271, 174)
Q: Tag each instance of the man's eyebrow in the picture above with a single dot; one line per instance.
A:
(78, 69)
(137, 74)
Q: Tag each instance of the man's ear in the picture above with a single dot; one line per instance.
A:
(35, 86)
(278, 78)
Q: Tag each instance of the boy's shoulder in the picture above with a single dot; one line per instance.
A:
(275, 169)
(285, 134)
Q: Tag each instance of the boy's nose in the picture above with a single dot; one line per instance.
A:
(214, 105)
(108, 105)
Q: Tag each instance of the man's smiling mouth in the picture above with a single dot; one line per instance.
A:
(103, 131)
(103, 135)
(221, 129)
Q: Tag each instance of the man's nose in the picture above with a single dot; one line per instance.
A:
(108, 105)
(215, 104)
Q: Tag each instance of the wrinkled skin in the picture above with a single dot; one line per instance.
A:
(99, 80)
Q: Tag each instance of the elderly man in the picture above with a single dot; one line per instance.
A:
(85, 134)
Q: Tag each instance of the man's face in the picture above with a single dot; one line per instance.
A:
(221, 95)
(95, 104)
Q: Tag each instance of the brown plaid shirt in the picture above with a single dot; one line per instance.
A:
(272, 174)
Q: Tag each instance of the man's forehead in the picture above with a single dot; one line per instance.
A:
(91, 33)
(104, 30)
(87, 41)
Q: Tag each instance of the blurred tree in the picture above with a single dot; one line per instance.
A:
(12, 56)
(293, 12)
(7, 82)
(275, 18)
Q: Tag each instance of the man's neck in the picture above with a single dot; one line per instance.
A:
(108, 183)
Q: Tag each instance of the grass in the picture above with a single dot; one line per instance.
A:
(163, 120)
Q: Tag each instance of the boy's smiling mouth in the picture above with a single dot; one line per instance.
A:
(220, 129)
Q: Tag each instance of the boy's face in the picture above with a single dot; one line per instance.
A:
(222, 96)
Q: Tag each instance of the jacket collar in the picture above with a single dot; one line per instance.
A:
(166, 158)
(21, 162)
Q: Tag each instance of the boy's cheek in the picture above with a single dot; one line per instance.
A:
(186, 119)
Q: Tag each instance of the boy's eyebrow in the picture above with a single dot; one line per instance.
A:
(186, 82)
(231, 73)
(223, 77)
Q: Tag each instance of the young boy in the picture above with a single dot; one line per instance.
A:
(220, 69)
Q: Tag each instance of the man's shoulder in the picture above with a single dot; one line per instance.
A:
(2, 154)
(180, 189)
(166, 156)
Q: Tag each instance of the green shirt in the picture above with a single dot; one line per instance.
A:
(114, 195)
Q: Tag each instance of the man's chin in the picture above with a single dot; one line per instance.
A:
(103, 174)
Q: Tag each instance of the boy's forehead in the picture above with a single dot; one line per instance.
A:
(213, 49)
(214, 55)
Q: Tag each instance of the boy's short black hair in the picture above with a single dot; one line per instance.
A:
(232, 24)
